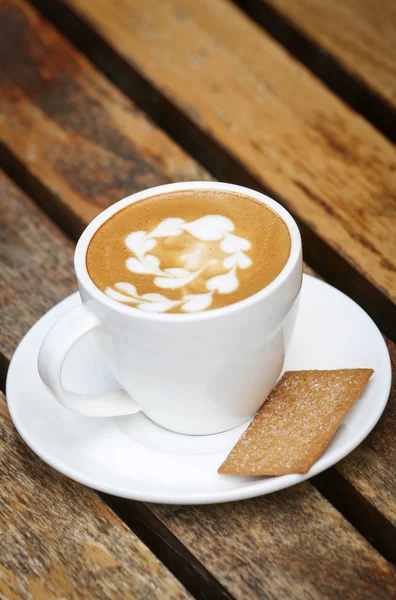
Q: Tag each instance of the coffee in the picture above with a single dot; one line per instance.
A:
(188, 251)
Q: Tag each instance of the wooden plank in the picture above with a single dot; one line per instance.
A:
(327, 164)
(361, 34)
(58, 539)
(65, 123)
(280, 536)
(33, 120)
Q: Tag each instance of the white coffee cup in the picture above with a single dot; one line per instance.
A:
(196, 373)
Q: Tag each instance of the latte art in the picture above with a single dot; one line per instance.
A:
(211, 258)
(188, 252)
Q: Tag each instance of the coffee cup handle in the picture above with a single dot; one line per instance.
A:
(57, 344)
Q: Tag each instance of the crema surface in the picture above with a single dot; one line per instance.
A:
(189, 251)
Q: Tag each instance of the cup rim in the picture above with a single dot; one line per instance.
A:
(85, 280)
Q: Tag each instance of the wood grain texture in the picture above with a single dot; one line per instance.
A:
(71, 128)
(237, 573)
(281, 546)
(18, 317)
(60, 540)
(360, 33)
(281, 535)
(330, 167)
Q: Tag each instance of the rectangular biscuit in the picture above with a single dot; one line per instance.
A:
(297, 421)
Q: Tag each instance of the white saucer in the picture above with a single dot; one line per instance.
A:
(134, 458)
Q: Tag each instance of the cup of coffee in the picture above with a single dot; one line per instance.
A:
(191, 290)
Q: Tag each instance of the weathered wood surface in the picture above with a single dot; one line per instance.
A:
(280, 536)
(73, 130)
(361, 34)
(330, 166)
(40, 36)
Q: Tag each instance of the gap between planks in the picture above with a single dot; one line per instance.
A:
(318, 253)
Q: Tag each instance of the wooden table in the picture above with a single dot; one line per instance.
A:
(101, 98)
